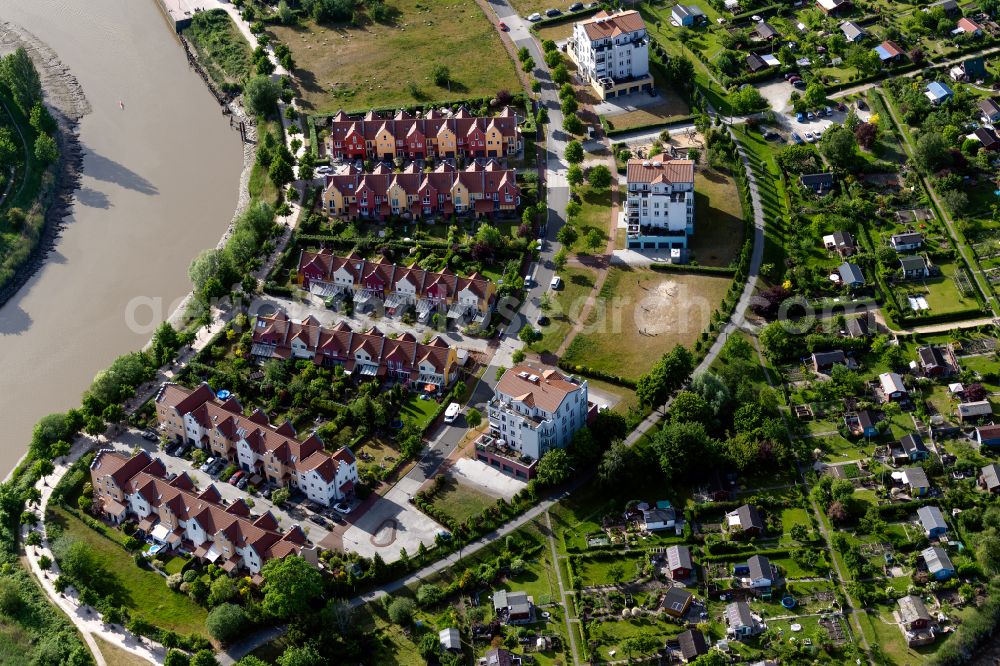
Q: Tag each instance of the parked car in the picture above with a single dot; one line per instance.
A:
(796, 138)
(801, 117)
(576, 6)
(534, 18)
(556, 283)
(552, 13)
(789, 75)
(800, 84)
(336, 517)
(319, 520)
(267, 493)
(235, 478)
(342, 507)
(503, 26)
(543, 320)
(771, 135)
(242, 483)
(841, 106)
(861, 105)
(208, 464)
(217, 468)
(150, 435)
(810, 115)
(810, 137)
(829, 111)
(323, 169)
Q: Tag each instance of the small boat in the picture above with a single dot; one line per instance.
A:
(121, 104)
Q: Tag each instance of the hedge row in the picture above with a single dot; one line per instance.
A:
(944, 318)
(689, 268)
(517, 99)
(736, 557)
(594, 373)
(568, 17)
(611, 131)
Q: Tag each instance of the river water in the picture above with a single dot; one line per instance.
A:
(160, 182)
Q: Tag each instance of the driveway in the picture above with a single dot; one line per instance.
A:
(391, 524)
(291, 515)
(485, 479)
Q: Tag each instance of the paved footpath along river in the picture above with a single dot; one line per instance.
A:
(160, 182)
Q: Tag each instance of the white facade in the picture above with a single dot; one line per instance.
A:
(612, 52)
(532, 425)
(660, 203)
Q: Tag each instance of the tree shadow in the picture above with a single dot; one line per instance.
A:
(92, 198)
(14, 320)
(105, 169)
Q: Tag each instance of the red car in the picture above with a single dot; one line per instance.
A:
(503, 26)
(235, 478)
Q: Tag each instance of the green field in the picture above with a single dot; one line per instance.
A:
(384, 65)
(142, 591)
(719, 229)
(564, 307)
(461, 502)
(222, 51)
(418, 413)
(591, 572)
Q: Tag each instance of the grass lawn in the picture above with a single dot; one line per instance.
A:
(565, 307)
(143, 592)
(260, 186)
(222, 50)
(538, 579)
(610, 635)
(391, 65)
(554, 32)
(461, 502)
(641, 315)
(175, 564)
(596, 572)
(626, 397)
(718, 222)
(670, 108)
(417, 412)
(15, 645)
(380, 449)
(116, 656)
(792, 517)
(595, 213)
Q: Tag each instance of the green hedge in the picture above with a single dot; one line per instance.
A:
(313, 137)
(688, 268)
(593, 373)
(611, 131)
(568, 17)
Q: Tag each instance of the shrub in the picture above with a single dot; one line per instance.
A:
(226, 622)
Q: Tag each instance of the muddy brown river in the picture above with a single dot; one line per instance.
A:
(160, 182)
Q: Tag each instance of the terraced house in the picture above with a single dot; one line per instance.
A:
(178, 516)
(252, 442)
(437, 134)
(396, 288)
(480, 189)
(364, 355)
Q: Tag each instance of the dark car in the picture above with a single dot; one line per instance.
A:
(543, 320)
(771, 135)
(552, 13)
(576, 6)
(319, 520)
(150, 436)
(861, 105)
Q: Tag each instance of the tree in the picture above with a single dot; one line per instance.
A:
(679, 72)
(573, 124)
(569, 105)
(46, 150)
(165, 343)
(175, 657)
(747, 100)
(204, 658)
(302, 655)
(285, 14)
(566, 235)
(260, 94)
(280, 496)
(474, 418)
(401, 611)
(291, 585)
(553, 58)
(866, 134)
(815, 95)
(441, 75)
(542, 117)
(280, 172)
(560, 74)
(681, 447)
(618, 463)
(839, 146)
(574, 176)
(599, 177)
(528, 334)
(10, 152)
(574, 152)
(490, 235)
(20, 77)
(429, 594)
(554, 467)
(595, 239)
(226, 621)
(429, 646)
(931, 152)
(616, 573)
(689, 407)
(639, 645)
(10, 596)
(222, 590)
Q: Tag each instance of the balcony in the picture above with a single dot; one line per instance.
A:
(495, 452)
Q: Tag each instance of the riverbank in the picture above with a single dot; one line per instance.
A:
(67, 103)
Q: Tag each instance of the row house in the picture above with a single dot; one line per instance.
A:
(397, 288)
(176, 515)
(479, 189)
(365, 355)
(272, 452)
(437, 134)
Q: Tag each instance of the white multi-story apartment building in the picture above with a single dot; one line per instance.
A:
(534, 410)
(660, 206)
(612, 53)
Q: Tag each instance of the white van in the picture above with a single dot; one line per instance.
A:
(451, 412)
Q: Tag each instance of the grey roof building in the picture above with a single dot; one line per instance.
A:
(932, 520)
